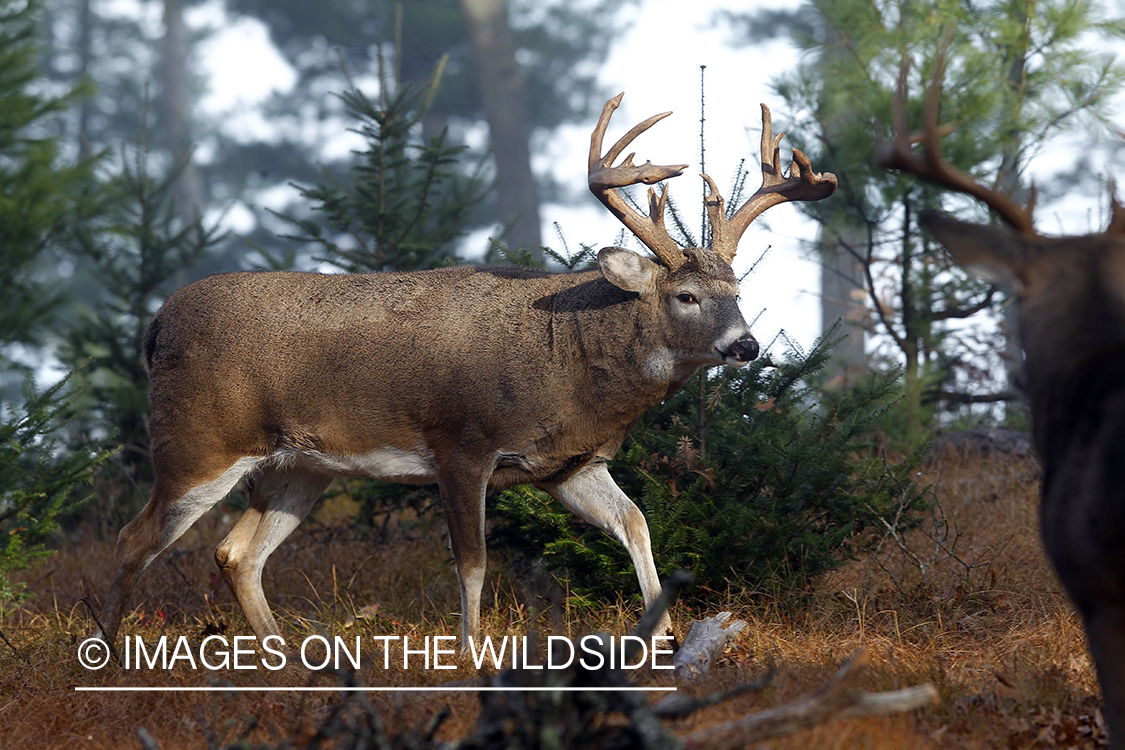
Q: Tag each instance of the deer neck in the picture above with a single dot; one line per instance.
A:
(614, 332)
(1077, 404)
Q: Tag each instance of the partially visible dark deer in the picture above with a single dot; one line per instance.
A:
(1071, 293)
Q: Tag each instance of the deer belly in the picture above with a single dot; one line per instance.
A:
(394, 464)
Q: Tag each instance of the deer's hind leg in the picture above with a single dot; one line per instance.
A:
(280, 498)
(1105, 631)
(178, 500)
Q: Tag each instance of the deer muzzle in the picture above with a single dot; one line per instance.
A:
(743, 350)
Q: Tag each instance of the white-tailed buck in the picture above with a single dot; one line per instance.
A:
(1071, 293)
(473, 378)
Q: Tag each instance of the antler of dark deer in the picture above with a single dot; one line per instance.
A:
(930, 165)
(604, 178)
(805, 185)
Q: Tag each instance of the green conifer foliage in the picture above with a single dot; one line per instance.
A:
(38, 478)
(40, 195)
(405, 201)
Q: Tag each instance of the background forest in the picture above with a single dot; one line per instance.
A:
(145, 144)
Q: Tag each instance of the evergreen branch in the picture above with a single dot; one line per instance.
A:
(966, 312)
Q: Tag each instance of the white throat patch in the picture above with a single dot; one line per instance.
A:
(661, 365)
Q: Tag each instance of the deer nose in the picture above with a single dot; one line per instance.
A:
(745, 349)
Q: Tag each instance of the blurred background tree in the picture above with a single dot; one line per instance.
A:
(516, 70)
(41, 193)
(42, 196)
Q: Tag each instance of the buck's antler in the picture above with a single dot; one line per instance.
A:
(604, 178)
(806, 185)
(931, 165)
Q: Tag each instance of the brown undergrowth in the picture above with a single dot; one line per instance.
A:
(967, 601)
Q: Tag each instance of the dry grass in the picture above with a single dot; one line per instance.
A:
(988, 625)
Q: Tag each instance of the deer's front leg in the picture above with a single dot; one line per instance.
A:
(1083, 512)
(462, 498)
(592, 495)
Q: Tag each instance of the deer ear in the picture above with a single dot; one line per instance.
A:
(627, 270)
(992, 253)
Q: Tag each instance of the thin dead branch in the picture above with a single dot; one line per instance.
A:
(944, 535)
(840, 698)
(680, 705)
(15, 650)
(94, 616)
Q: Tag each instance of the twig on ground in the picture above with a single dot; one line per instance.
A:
(101, 630)
(15, 650)
(837, 699)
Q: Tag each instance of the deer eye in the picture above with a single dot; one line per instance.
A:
(687, 298)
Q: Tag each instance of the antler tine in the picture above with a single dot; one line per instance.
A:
(771, 149)
(805, 185)
(931, 165)
(603, 178)
(1116, 212)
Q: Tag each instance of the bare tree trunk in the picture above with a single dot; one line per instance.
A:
(85, 20)
(509, 122)
(176, 100)
(843, 297)
(843, 285)
(1008, 181)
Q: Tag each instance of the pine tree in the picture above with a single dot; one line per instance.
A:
(1017, 75)
(404, 201)
(41, 195)
(39, 477)
(41, 198)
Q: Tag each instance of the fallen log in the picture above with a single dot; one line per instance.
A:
(703, 645)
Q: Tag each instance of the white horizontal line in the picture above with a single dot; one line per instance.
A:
(438, 689)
